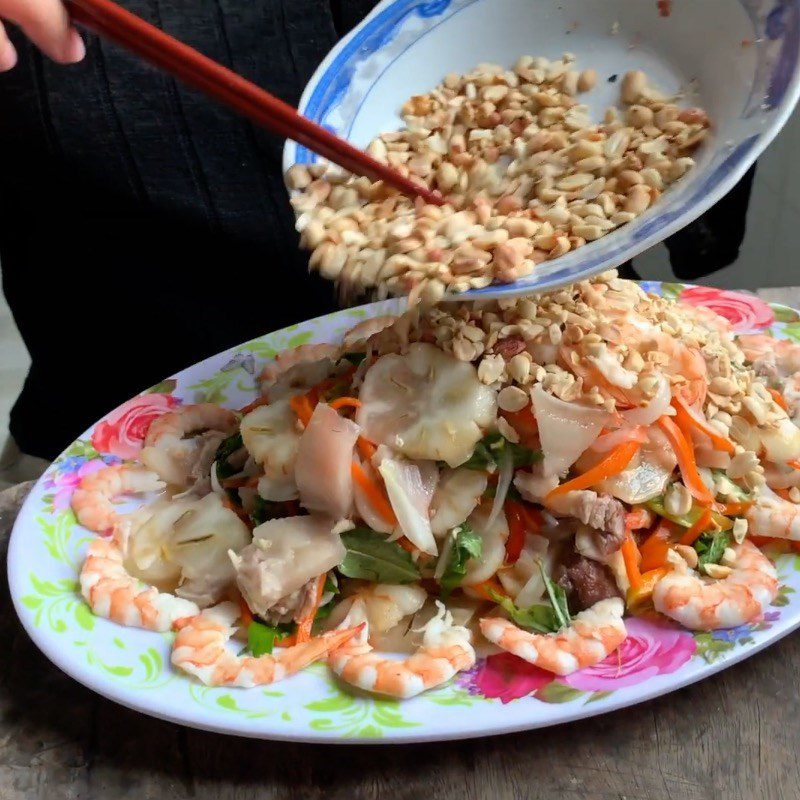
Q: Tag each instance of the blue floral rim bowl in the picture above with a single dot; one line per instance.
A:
(738, 59)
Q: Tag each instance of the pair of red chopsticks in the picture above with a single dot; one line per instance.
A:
(158, 48)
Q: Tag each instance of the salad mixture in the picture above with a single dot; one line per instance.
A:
(520, 474)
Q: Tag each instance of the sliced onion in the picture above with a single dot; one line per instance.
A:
(608, 441)
(534, 589)
(504, 477)
(441, 564)
(216, 486)
(410, 494)
(657, 407)
(565, 429)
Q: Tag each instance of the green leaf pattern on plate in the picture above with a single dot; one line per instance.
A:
(54, 602)
(352, 716)
(232, 701)
(60, 537)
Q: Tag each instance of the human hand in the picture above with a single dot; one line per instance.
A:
(47, 25)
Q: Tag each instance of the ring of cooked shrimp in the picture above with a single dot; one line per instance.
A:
(737, 599)
(92, 501)
(592, 636)
(445, 651)
(200, 650)
(113, 593)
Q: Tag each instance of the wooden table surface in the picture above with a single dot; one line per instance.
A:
(734, 735)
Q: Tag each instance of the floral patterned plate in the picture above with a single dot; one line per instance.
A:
(501, 694)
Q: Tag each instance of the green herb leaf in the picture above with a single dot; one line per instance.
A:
(331, 584)
(225, 450)
(711, 546)
(262, 638)
(558, 598)
(538, 617)
(371, 557)
(486, 455)
(541, 617)
(467, 544)
(355, 358)
(265, 510)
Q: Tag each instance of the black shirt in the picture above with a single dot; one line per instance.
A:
(142, 226)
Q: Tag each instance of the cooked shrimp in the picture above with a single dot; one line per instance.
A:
(445, 651)
(785, 355)
(200, 650)
(92, 501)
(361, 333)
(593, 635)
(297, 369)
(169, 447)
(774, 517)
(114, 594)
(703, 605)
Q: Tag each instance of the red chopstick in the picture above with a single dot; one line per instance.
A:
(187, 64)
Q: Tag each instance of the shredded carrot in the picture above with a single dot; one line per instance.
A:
(307, 620)
(704, 522)
(261, 401)
(734, 509)
(687, 418)
(686, 462)
(407, 545)
(524, 423)
(640, 599)
(341, 402)
(794, 463)
(246, 614)
(366, 448)
(783, 494)
(630, 555)
(375, 493)
(779, 399)
(614, 463)
(655, 547)
(302, 407)
(488, 588)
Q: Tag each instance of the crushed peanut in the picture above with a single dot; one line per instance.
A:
(526, 176)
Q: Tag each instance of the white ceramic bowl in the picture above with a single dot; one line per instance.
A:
(736, 58)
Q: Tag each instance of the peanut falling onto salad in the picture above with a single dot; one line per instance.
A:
(521, 474)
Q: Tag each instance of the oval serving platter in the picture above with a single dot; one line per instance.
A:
(500, 694)
(738, 59)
